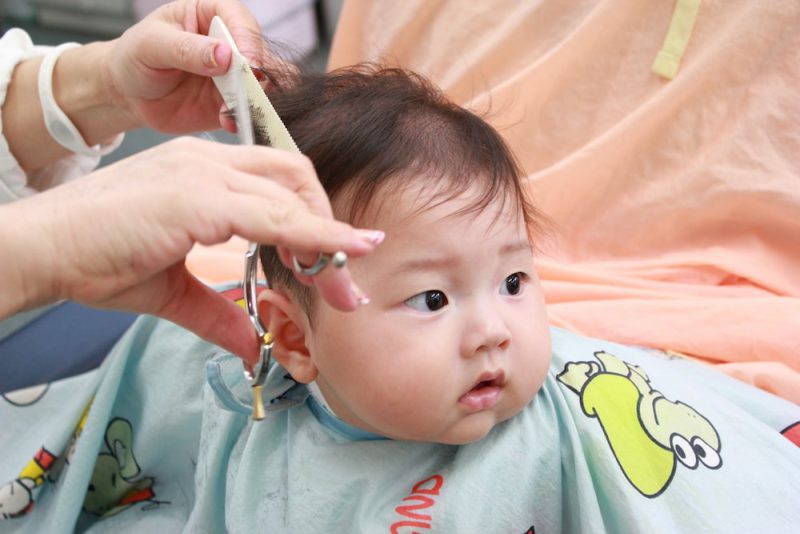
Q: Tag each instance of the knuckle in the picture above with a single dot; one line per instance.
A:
(306, 165)
(184, 50)
(303, 175)
(283, 220)
(183, 158)
(181, 144)
(299, 166)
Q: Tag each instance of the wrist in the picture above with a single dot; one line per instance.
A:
(24, 269)
(83, 90)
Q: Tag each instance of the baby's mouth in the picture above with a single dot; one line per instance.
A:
(486, 391)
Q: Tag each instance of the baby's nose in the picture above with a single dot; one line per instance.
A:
(488, 333)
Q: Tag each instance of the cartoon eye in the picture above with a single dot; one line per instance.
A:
(432, 300)
(683, 450)
(707, 455)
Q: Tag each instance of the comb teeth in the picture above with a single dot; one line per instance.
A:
(266, 124)
(263, 116)
(268, 127)
(260, 131)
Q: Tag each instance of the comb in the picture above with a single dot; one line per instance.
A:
(240, 77)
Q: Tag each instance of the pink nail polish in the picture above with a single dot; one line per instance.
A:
(373, 237)
(359, 295)
(221, 55)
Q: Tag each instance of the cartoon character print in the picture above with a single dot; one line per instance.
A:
(69, 451)
(236, 294)
(792, 433)
(26, 396)
(16, 497)
(648, 433)
(114, 486)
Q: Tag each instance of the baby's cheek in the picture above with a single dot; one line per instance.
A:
(532, 370)
(404, 404)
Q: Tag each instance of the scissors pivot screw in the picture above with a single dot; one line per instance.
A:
(337, 259)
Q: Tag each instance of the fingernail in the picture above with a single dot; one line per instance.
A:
(373, 237)
(359, 295)
(211, 56)
(219, 55)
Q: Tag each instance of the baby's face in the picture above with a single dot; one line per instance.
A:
(455, 338)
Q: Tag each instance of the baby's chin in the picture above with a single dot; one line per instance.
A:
(468, 430)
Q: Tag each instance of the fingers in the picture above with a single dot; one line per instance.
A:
(337, 288)
(293, 171)
(306, 234)
(189, 49)
(165, 47)
(296, 231)
(243, 26)
(197, 307)
(265, 220)
(258, 193)
(160, 202)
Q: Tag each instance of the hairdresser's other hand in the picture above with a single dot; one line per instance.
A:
(159, 69)
(118, 237)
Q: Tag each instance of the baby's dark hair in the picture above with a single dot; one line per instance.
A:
(367, 128)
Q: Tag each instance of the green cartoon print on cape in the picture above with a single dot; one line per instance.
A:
(114, 486)
(648, 433)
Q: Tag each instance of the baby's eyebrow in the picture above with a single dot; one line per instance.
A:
(425, 264)
(519, 246)
(433, 263)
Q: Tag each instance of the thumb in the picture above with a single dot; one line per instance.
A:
(197, 54)
(213, 317)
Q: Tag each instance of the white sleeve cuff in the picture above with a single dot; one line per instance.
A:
(16, 46)
(58, 124)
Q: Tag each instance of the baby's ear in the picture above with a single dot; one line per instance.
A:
(284, 320)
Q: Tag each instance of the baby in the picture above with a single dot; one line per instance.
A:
(455, 337)
(441, 405)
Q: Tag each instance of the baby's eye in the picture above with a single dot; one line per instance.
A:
(427, 301)
(512, 285)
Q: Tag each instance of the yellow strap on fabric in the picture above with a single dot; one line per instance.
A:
(669, 57)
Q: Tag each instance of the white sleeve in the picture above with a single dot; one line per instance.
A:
(16, 46)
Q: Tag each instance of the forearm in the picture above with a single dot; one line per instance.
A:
(82, 91)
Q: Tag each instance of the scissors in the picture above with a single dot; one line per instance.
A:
(242, 92)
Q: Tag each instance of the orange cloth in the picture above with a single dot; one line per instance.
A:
(676, 204)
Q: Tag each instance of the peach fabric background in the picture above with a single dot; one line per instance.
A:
(675, 204)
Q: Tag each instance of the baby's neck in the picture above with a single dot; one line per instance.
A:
(316, 394)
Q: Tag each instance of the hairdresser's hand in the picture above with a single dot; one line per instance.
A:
(156, 74)
(159, 69)
(118, 237)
